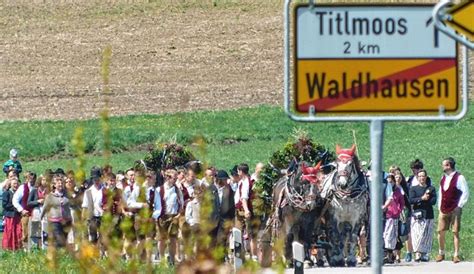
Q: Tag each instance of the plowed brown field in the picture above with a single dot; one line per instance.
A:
(168, 56)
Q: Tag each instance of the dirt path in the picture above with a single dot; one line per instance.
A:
(180, 56)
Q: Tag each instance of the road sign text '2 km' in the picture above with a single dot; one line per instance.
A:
(376, 59)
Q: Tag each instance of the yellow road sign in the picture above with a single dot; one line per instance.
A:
(462, 18)
(377, 85)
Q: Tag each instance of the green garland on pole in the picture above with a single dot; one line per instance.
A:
(170, 155)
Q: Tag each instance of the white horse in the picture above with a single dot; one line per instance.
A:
(347, 190)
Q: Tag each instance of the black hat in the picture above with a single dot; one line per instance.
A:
(222, 174)
(233, 171)
(59, 171)
(96, 173)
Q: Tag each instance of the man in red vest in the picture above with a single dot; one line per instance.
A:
(453, 196)
(20, 202)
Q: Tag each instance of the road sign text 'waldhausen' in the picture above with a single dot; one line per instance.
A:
(376, 59)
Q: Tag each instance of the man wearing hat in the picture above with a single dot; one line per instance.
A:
(13, 163)
(95, 172)
(223, 213)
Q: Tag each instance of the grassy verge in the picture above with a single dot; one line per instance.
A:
(36, 262)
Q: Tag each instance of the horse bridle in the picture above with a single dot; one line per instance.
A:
(353, 193)
(295, 199)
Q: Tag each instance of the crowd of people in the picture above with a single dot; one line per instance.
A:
(409, 215)
(143, 206)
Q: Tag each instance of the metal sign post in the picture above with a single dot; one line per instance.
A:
(372, 63)
(376, 154)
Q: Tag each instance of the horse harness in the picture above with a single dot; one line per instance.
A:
(354, 190)
(287, 196)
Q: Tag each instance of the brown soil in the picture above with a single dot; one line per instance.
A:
(168, 56)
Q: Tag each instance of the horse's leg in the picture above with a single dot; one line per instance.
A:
(362, 244)
(266, 248)
(288, 249)
(288, 234)
(337, 240)
(346, 230)
(353, 235)
(306, 235)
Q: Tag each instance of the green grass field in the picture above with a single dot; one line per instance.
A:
(245, 135)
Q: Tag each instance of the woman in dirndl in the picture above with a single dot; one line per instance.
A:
(12, 232)
(422, 198)
(392, 208)
(35, 201)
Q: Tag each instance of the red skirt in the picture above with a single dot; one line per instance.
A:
(12, 233)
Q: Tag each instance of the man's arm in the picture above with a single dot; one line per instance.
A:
(462, 185)
(85, 205)
(157, 204)
(188, 216)
(132, 200)
(245, 196)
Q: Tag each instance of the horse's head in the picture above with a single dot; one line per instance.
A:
(304, 183)
(347, 166)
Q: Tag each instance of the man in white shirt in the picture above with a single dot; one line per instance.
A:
(244, 216)
(127, 190)
(93, 207)
(138, 208)
(128, 214)
(172, 205)
(20, 202)
(453, 195)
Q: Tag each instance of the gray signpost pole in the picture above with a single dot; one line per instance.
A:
(376, 151)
